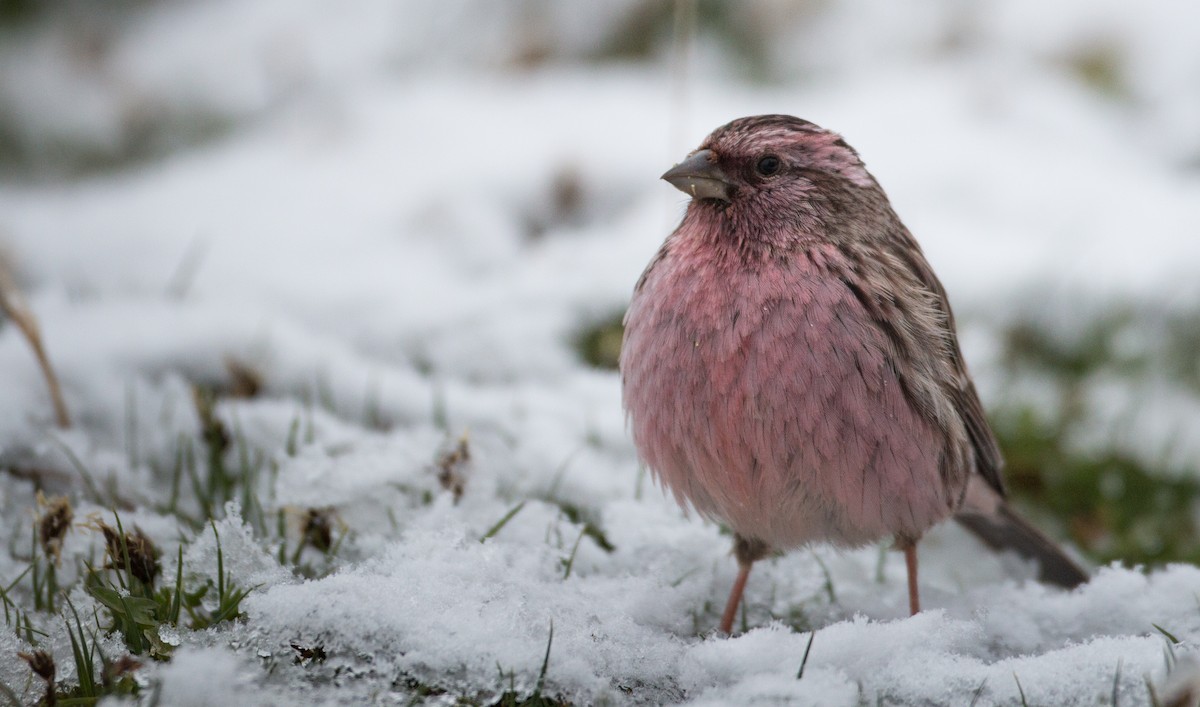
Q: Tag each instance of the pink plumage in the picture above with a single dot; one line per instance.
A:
(763, 397)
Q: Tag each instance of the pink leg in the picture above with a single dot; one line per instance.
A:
(910, 559)
(747, 552)
(735, 597)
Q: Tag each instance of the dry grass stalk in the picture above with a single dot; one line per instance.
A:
(452, 468)
(316, 528)
(42, 665)
(244, 380)
(131, 551)
(12, 303)
(53, 524)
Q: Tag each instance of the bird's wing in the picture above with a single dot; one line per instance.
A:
(989, 462)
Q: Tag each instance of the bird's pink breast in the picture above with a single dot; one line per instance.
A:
(764, 397)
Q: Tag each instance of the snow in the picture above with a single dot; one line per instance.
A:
(359, 204)
(209, 676)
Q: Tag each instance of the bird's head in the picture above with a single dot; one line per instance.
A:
(768, 161)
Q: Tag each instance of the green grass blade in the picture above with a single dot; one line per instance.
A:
(541, 681)
(804, 660)
(502, 522)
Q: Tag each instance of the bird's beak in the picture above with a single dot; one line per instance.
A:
(700, 177)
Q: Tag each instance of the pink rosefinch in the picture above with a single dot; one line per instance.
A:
(790, 365)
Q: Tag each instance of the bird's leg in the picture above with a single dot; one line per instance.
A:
(735, 597)
(909, 546)
(747, 552)
(914, 597)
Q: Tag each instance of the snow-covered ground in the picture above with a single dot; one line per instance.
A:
(402, 215)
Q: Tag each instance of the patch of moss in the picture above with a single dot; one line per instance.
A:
(1099, 66)
(1115, 507)
(1113, 504)
(600, 343)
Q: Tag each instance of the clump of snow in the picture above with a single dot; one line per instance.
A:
(242, 555)
(210, 676)
(405, 256)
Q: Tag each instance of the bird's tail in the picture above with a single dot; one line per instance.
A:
(986, 514)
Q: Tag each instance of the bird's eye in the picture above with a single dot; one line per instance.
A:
(768, 165)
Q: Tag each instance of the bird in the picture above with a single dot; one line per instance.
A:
(790, 365)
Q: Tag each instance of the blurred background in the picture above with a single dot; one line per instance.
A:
(465, 191)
